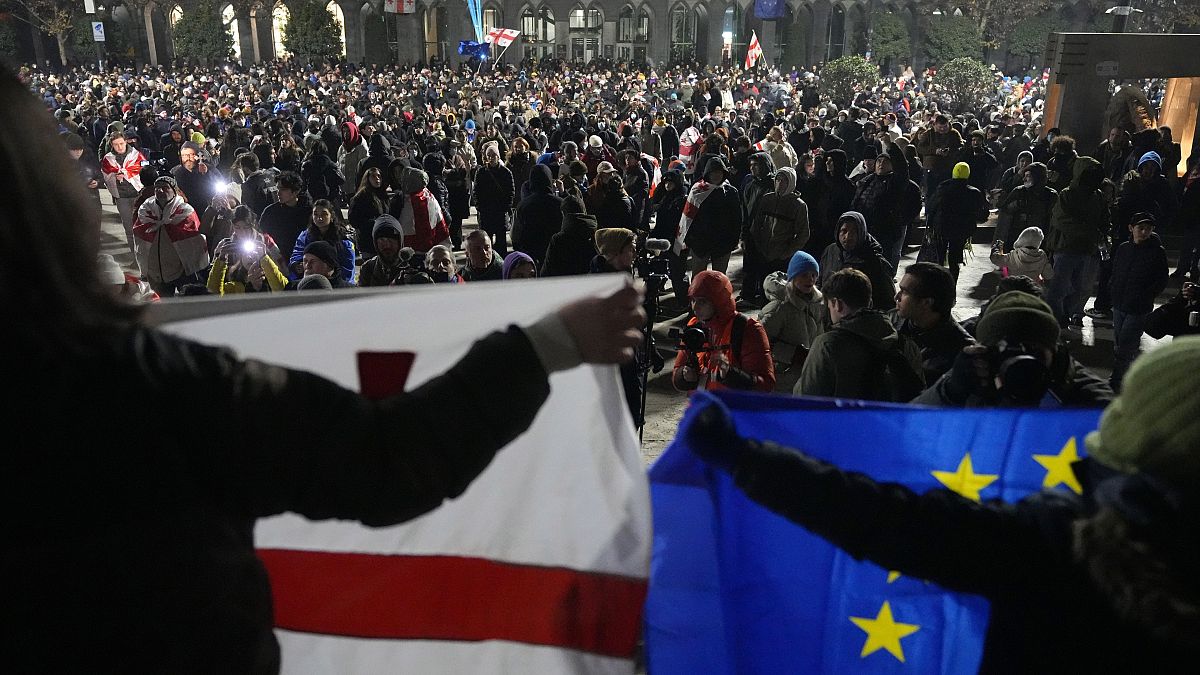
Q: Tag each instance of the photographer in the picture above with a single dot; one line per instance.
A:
(721, 348)
(1018, 362)
(196, 179)
(248, 261)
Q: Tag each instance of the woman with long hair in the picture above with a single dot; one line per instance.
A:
(321, 175)
(520, 163)
(367, 204)
(326, 225)
(182, 447)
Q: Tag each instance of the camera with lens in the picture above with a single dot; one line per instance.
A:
(691, 339)
(1021, 374)
(652, 267)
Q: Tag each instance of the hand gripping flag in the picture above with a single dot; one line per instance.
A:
(735, 588)
(754, 52)
(539, 567)
(503, 37)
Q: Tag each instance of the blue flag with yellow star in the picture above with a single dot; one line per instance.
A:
(735, 588)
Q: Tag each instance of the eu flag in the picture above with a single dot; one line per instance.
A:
(770, 9)
(735, 588)
(473, 48)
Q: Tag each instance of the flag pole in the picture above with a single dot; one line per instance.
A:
(503, 52)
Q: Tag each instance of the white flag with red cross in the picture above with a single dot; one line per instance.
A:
(503, 37)
(754, 52)
(541, 566)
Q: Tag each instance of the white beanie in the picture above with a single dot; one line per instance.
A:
(1030, 237)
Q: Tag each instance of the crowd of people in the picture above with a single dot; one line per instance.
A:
(277, 177)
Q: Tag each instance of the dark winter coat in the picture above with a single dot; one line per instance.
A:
(939, 345)
(956, 208)
(458, 184)
(538, 216)
(611, 206)
(847, 361)
(1030, 206)
(572, 248)
(322, 178)
(1020, 556)
(668, 206)
(867, 258)
(100, 539)
(1139, 274)
(285, 223)
(434, 165)
(754, 188)
(494, 193)
(1079, 221)
(362, 214)
(718, 223)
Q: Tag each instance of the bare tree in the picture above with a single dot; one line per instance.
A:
(53, 17)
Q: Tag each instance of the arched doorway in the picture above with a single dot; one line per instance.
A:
(437, 28)
(856, 30)
(683, 33)
(229, 20)
(279, 20)
(537, 32)
(585, 26)
(336, 10)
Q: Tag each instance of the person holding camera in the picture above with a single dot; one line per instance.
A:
(721, 348)
(1018, 362)
(195, 178)
(248, 261)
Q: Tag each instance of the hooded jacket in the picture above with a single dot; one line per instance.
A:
(754, 188)
(379, 156)
(847, 361)
(538, 216)
(572, 248)
(434, 164)
(792, 321)
(668, 204)
(1026, 258)
(779, 223)
(322, 178)
(751, 368)
(1030, 206)
(1079, 221)
(867, 257)
(350, 154)
(419, 212)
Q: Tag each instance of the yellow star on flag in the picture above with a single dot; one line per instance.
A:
(884, 633)
(892, 576)
(964, 480)
(1058, 467)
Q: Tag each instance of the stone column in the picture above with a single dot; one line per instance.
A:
(766, 39)
(818, 45)
(410, 35)
(246, 37)
(355, 47)
(562, 34)
(151, 47)
(716, 20)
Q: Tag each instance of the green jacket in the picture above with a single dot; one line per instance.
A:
(848, 361)
(1079, 221)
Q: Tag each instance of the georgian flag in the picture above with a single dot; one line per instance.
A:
(700, 191)
(400, 6)
(541, 566)
(755, 52)
(503, 37)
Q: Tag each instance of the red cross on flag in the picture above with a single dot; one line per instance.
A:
(754, 52)
(400, 6)
(503, 37)
(541, 566)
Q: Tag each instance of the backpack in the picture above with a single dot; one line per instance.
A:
(901, 382)
(261, 190)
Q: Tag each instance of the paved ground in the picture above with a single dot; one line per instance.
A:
(664, 406)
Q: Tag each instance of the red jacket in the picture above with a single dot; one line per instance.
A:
(752, 367)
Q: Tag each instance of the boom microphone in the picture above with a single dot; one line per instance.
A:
(658, 245)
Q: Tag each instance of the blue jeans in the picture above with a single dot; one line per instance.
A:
(1074, 274)
(1127, 343)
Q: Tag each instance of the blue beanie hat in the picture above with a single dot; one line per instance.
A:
(1150, 157)
(800, 263)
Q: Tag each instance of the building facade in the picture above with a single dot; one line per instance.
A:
(642, 31)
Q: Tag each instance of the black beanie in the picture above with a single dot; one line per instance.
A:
(325, 252)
